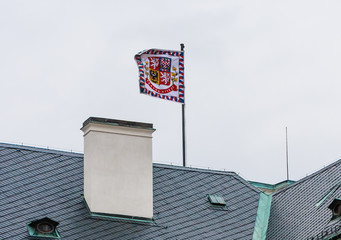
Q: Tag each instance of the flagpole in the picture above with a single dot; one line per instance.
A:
(183, 122)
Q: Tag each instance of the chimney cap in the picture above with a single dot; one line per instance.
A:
(116, 122)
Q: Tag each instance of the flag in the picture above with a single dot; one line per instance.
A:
(161, 74)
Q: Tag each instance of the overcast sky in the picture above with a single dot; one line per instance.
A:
(251, 69)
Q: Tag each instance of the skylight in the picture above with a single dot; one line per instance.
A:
(216, 200)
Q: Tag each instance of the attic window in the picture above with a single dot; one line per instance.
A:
(335, 206)
(44, 228)
(216, 200)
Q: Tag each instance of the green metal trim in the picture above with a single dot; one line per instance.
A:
(272, 186)
(331, 191)
(262, 218)
(30, 229)
(116, 217)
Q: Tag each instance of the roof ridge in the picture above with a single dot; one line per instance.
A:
(308, 176)
(40, 149)
(161, 165)
(212, 171)
(194, 169)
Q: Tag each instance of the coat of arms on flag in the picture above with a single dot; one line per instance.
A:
(161, 74)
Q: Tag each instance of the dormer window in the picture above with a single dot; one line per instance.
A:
(335, 206)
(45, 228)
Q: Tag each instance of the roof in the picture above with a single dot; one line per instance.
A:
(300, 211)
(37, 183)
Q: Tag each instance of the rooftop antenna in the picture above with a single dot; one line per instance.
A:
(286, 148)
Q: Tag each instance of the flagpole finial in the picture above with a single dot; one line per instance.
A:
(182, 46)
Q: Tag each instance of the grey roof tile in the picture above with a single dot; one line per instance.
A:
(37, 183)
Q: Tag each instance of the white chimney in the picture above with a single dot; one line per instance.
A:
(118, 170)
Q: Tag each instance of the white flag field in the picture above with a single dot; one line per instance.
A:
(161, 74)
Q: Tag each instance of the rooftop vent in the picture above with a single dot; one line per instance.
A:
(44, 228)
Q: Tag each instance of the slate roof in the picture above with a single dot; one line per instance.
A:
(299, 212)
(37, 183)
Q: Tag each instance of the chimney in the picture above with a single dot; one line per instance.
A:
(118, 170)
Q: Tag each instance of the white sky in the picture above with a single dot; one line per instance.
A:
(251, 69)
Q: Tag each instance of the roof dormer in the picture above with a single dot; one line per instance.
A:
(335, 206)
